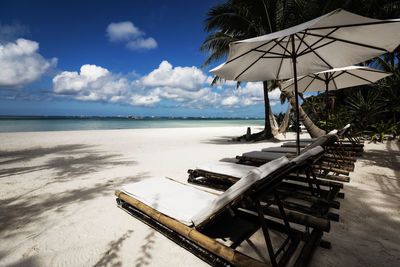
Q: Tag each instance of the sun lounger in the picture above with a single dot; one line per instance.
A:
(344, 133)
(192, 217)
(350, 147)
(333, 161)
(221, 175)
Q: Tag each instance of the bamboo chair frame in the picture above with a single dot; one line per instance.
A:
(215, 253)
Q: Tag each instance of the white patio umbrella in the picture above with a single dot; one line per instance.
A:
(337, 39)
(335, 79)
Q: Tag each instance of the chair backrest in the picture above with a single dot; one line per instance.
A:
(299, 162)
(322, 141)
(310, 154)
(344, 131)
(265, 171)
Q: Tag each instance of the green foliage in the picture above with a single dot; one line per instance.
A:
(365, 108)
(377, 131)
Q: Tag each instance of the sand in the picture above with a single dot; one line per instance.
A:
(57, 206)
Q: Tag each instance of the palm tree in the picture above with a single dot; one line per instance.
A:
(241, 19)
(312, 129)
(390, 87)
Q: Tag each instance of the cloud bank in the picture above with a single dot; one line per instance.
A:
(181, 86)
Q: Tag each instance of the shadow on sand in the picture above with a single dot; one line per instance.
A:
(228, 140)
(76, 160)
(19, 211)
(110, 258)
(66, 163)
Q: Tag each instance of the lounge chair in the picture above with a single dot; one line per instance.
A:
(350, 147)
(345, 136)
(221, 175)
(192, 217)
(333, 161)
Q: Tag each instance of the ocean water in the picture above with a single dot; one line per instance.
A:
(38, 124)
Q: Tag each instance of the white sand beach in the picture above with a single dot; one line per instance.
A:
(57, 204)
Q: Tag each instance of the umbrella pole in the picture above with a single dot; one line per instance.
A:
(296, 96)
(327, 106)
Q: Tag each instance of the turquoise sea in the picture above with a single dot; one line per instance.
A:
(35, 124)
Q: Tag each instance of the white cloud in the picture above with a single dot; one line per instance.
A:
(93, 83)
(122, 31)
(274, 94)
(21, 64)
(230, 101)
(141, 43)
(144, 100)
(187, 78)
(69, 82)
(126, 32)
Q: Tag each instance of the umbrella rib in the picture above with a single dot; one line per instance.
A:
(299, 79)
(280, 63)
(319, 78)
(284, 48)
(349, 42)
(313, 51)
(340, 74)
(313, 79)
(276, 57)
(355, 25)
(331, 74)
(253, 49)
(248, 67)
(272, 53)
(301, 41)
(307, 51)
(373, 70)
(318, 41)
(359, 77)
(334, 83)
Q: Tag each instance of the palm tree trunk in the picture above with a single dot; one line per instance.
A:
(312, 129)
(267, 128)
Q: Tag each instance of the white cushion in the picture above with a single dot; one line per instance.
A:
(190, 205)
(263, 155)
(173, 199)
(239, 188)
(280, 149)
(226, 168)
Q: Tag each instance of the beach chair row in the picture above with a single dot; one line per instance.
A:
(318, 184)
(289, 199)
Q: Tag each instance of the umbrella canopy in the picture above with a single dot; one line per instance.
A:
(335, 79)
(337, 39)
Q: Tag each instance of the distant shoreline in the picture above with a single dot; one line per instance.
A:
(79, 123)
(26, 117)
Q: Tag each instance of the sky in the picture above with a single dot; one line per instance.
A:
(110, 58)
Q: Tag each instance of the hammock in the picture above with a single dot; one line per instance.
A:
(275, 128)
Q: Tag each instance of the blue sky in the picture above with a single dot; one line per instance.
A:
(113, 58)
